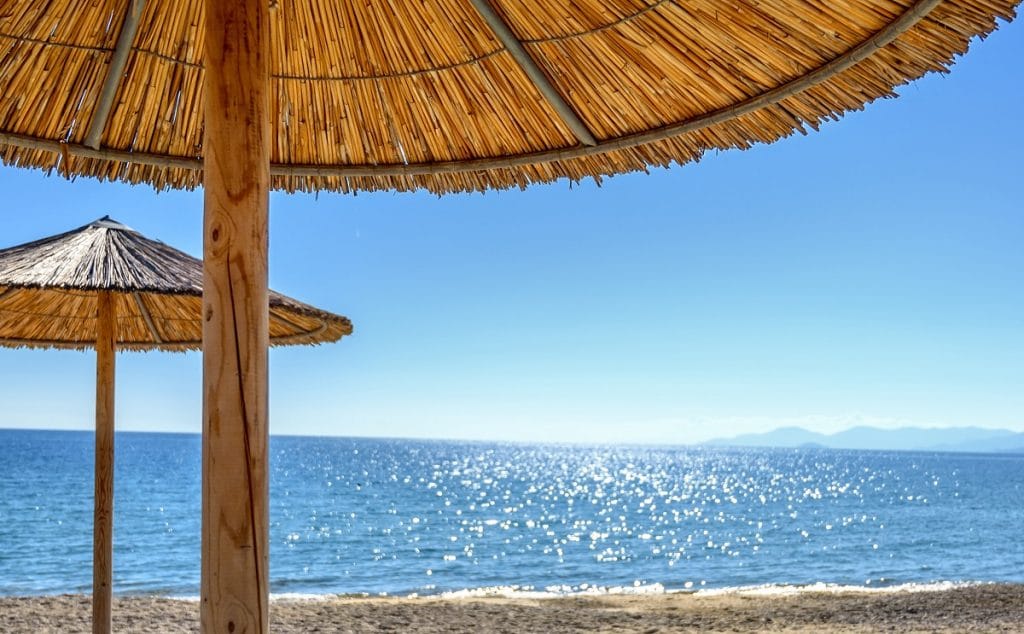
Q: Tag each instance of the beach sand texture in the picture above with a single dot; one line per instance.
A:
(986, 608)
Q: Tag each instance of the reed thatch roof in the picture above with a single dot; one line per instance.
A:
(452, 95)
(48, 291)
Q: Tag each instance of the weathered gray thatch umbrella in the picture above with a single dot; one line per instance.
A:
(107, 287)
(445, 95)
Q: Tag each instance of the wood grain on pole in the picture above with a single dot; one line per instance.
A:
(235, 321)
(103, 501)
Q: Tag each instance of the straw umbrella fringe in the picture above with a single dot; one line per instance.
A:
(443, 95)
(107, 287)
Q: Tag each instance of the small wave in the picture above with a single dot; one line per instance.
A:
(302, 597)
(497, 591)
(550, 592)
(288, 597)
(834, 588)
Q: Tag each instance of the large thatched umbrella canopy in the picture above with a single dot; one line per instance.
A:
(107, 287)
(446, 95)
(454, 95)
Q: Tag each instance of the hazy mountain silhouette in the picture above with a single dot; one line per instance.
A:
(972, 439)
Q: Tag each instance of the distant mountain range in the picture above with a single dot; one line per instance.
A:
(967, 439)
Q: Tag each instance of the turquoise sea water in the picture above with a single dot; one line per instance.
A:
(403, 516)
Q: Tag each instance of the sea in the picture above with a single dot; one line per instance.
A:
(418, 517)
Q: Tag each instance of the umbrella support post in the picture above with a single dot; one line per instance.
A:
(236, 180)
(103, 500)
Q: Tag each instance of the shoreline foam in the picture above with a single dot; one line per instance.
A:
(966, 608)
(529, 592)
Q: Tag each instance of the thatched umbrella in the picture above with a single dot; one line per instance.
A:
(445, 95)
(108, 287)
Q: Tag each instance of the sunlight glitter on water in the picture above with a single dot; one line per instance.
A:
(402, 517)
(571, 516)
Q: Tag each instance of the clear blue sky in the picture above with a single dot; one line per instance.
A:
(872, 272)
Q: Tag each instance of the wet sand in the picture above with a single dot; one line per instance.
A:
(986, 608)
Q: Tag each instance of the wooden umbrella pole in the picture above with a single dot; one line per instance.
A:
(236, 180)
(103, 500)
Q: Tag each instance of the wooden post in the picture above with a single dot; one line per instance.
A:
(236, 179)
(103, 496)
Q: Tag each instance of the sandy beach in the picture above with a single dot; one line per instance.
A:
(987, 608)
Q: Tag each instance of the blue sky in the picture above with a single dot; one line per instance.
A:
(869, 273)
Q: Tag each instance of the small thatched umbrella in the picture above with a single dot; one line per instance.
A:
(445, 95)
(107, 287)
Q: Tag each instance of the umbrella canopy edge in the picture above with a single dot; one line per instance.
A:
(291, 322)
